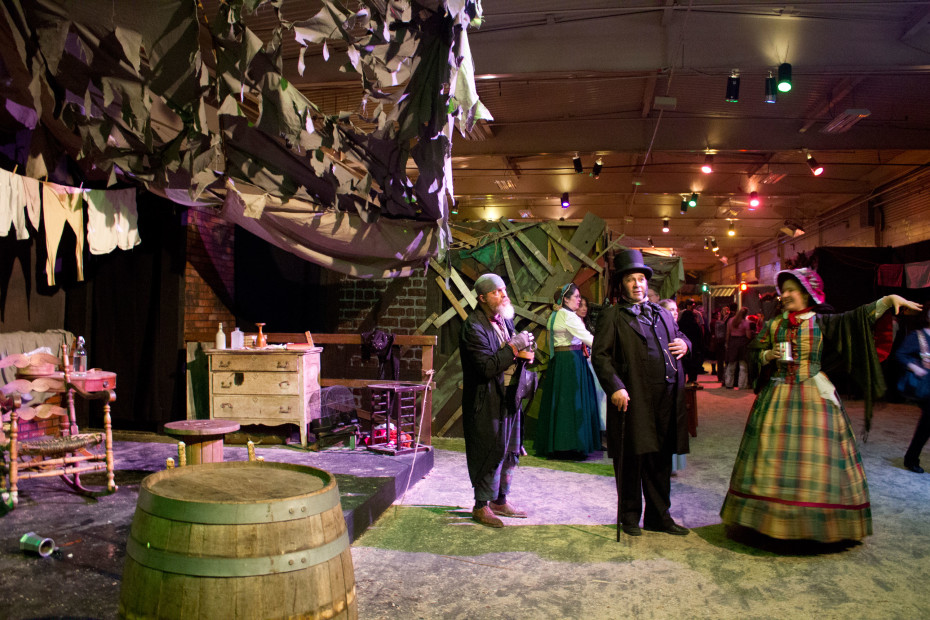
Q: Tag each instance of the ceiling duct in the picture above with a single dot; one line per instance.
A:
(792, 229)
(844, 120)
(665, 103)
(772, 178)
(480, 131)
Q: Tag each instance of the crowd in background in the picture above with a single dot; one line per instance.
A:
(721, 341)
(721, 344)
(797, 474)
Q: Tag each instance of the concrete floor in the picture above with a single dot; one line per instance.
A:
(82, 578)
(424, 558)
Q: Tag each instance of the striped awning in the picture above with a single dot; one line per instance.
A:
(722, 291)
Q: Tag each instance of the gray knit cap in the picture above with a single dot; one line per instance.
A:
(489, 282)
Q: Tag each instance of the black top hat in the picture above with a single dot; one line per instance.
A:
(628, 261)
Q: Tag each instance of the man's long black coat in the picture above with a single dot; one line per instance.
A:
(619, 356)
(490, 410)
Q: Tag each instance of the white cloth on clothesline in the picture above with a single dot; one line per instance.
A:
(12, 205)
(112, 220)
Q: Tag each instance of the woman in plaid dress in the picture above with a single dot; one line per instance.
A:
(798, 474)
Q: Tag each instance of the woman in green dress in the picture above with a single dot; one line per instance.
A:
(568, 426)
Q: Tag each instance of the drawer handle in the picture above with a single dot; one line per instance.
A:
(226, 406)
(283, 409)
(223, 364)
(282, 363)
(225, 384)
(284, 384)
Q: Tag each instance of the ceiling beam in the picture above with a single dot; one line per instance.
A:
(684, 134)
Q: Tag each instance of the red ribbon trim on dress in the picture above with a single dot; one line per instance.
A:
(776, 500)
(793, 319)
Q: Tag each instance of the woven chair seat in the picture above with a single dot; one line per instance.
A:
(59, 445)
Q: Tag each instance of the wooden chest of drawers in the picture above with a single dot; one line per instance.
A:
(265, 386)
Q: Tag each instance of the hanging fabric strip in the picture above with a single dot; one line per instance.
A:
(62, 205)
(918, 274)
(891, 275)
(112, 220)
(32, 194)
(12, 203)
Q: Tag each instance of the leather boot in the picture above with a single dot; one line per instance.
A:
(484, 516)
(507, 510)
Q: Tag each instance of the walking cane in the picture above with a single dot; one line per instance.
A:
(618, 467)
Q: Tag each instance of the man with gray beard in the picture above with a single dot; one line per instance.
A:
(493, 359)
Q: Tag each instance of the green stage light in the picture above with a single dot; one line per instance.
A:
(784, 77)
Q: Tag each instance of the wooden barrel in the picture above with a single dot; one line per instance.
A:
(238, 540)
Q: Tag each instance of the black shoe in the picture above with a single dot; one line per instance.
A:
(914, 467)
(670, 528)
(631, 530)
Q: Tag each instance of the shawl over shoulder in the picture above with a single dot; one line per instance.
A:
(848, 346)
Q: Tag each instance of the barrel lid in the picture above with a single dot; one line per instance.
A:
(238, 484)
(239, 491)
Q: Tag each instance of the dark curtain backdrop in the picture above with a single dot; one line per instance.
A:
(130, 310)
(850, 277)
(284, 291)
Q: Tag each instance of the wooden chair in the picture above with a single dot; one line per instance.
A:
(67, 455)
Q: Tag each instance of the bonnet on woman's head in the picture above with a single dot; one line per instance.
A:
(566, 291)
(809, 280)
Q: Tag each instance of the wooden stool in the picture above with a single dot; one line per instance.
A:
(203, 439)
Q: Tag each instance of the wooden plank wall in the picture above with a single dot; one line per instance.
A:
(535, 274)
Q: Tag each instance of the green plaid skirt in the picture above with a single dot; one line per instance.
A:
(798, 473)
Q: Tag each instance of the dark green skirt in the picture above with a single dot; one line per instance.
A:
(568, 413)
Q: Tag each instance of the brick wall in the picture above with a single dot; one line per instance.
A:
(208, 273)
(397, 306)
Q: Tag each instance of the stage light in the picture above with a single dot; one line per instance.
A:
(816, 169)
(650, 242)
(704, 288)
(754, 201)
(743, 287)
(598, 165)
(708, 166)
(784, 77)
(713, 245)
(684, 206)
(733, 87)
(692, 202)
(770, 89)
(706, 243)
(665, 225)
(576, 162)
(566, 203)
(455, 207)
(731, 229)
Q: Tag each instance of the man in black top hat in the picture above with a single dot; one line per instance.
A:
(637, 358)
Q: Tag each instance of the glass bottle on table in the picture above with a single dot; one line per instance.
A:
(220, 338)
(79, 358)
